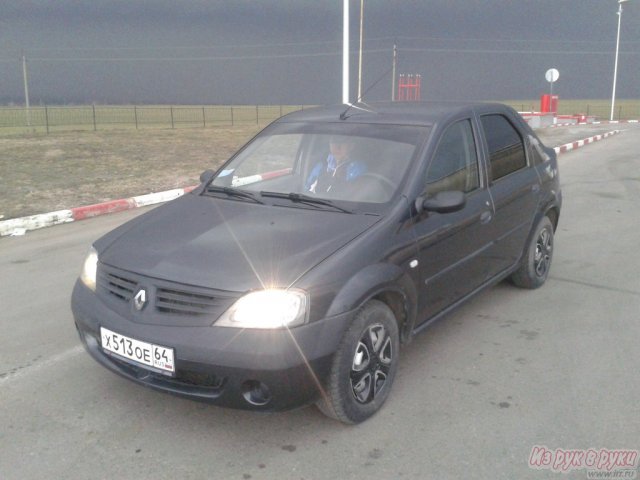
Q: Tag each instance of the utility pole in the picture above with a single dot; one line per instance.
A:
(360, 57)
(393, 73)
(26, 90)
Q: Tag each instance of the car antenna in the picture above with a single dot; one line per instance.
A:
(344, 116)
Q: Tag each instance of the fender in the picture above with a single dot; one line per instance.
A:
(384, 281)
(552, 202)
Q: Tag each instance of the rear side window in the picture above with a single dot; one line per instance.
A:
(506, 148)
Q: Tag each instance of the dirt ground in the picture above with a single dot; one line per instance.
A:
(44, 173)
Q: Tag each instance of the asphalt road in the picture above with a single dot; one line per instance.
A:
(512, 369)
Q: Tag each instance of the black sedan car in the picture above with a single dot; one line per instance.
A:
(294, 273)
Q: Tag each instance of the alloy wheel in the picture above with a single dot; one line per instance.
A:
(542, 258)
(371, 363)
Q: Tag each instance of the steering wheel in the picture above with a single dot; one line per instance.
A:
(375, 187)
(382, 179)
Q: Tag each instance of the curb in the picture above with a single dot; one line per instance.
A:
(567, 147)
(19, 226)
(606, 122)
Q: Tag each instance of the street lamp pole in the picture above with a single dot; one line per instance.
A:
(360, 55)
(26, 90)
(615, 68)
(345, 52)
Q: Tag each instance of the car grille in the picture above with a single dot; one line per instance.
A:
(185, 303)
(165, 297)
(119, 286)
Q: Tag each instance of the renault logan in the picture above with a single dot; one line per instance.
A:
(295, 273)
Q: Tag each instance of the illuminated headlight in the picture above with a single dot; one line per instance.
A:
(89, 267)
(266, 309)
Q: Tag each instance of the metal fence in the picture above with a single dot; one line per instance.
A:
(95, 117)
(47, 119)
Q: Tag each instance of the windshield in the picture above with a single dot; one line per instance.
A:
(362, 163)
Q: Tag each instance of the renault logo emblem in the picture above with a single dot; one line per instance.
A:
(140, 299)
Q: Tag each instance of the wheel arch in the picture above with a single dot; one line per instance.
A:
(386, 283)
(397, 303)
(553, 212)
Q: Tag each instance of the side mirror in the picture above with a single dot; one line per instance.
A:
(206, 176)
(442, 202)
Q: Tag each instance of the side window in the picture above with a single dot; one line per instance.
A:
(455, 163)
(506, 149)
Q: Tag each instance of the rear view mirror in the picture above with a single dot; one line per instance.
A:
(206, 176)
(442, 202)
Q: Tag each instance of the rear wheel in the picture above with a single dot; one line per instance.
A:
(536, 260)
(364, 366)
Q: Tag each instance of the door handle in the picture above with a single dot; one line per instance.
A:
(485, 217)
(535, 187)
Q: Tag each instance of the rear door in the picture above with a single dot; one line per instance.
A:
(514, 187)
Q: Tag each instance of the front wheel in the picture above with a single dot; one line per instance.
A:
(536, 260)
(364, 366)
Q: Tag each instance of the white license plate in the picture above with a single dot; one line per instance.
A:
(147, 354)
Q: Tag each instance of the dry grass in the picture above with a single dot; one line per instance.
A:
(41, 173)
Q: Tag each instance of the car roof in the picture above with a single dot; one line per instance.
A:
(398, 113)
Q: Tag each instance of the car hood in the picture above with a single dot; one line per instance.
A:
(227, 244)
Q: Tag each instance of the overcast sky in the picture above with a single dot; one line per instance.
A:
(289, 51)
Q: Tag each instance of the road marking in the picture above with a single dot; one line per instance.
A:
(7, 377)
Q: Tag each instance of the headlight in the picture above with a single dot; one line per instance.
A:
(89, 267)
(266, 309)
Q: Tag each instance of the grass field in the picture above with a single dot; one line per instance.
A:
(74, 165)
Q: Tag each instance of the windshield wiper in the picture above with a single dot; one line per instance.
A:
(234, 192)
(302, 198)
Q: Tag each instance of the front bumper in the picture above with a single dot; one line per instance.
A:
(266, 370)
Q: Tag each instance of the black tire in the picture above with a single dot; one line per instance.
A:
(364, 366)
(536, 259)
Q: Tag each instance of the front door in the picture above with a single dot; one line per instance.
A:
(453, 247)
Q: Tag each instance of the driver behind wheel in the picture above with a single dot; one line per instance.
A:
(338, 170)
